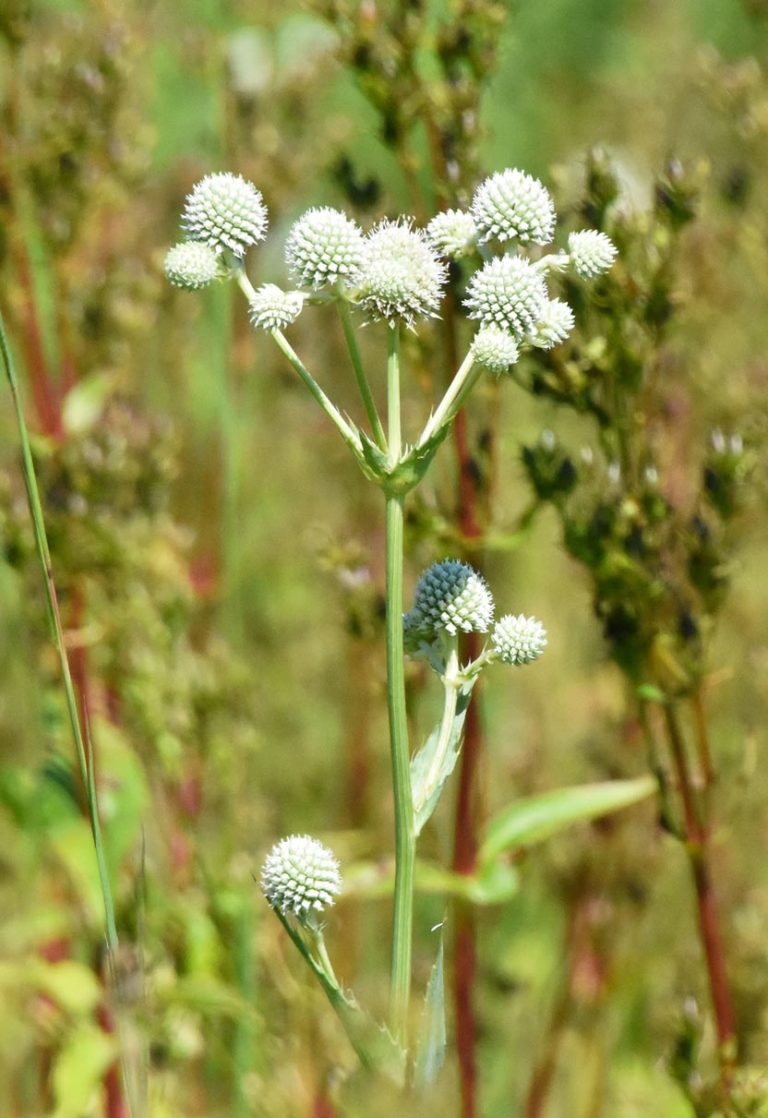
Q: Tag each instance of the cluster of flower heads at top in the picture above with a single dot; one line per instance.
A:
(397, 272)
(452, 598)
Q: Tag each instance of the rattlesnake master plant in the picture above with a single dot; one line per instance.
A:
(395, 274)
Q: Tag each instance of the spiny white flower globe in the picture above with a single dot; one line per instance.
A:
(511, 205)
(453, 233)
(554, 325)
(192, 265)
(300, 876)
(271, 308)
(518, 640)
(494, 348)
(225, 211)
(451, 596)
(592, 253)
(402, 276)
(324, 246)
(507, 292)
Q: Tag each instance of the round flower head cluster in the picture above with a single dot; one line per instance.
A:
(324, 246)
(507, 292)
(592, 253)
(495, 349)
(300, 876)
(225, 211)
(402, 276)
(453, 233)
(271, 308)
(192, 265)
(512, 205)
(518, 640)
(554, 325)
(451, 597)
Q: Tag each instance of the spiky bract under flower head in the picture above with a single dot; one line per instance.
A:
(451, 597)
(192, 265)
(554, 325)
(453, 233)
(494, 348)
(507, 292)
(324, 246)
(518, 640)
(592, 253)
(271, 308)
(300, 876)
(512, 205)
(402, 277)
(225, 211)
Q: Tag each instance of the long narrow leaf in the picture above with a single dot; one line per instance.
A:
(430, 1055)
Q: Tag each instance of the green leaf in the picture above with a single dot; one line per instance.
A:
(651, 693)
(83, 405)
(71, 985)
(533, 820)
(414, 464)
(79, 1069)
(424, 798)
(430, 1052)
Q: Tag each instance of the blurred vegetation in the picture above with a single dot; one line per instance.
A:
(224, 623)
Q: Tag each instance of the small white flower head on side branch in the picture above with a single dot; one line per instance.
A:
(271, 308)
(507, 292)
(591, 252)
(453, 233)
(495, 349)
(512, 205)
(226, 212)
(402, 277)
(300, 877)
(554, 325)
(192, 265)
(450, 597)
(323, 247)
(518, 640)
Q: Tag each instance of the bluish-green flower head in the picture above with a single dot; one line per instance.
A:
(554, 325)
(300, 877)
(495, 349)
(507, 292)
(450, 597)
(271, 308)
(402, 277)
(453, 233)
(512, 205)
(518, 640)
(192, 265)
(325, 246)
(226, 212)
(591, 252)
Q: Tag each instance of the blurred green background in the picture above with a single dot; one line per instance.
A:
(219, 561)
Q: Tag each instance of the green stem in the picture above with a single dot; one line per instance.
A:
(362, 380)
(57, 630)
(457, 391)
(405, 841)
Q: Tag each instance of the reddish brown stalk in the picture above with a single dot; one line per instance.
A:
(44, 391)
(114, 1103)
(697, 848)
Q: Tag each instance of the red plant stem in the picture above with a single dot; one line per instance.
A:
(697, 848)
(114, 1103)
(44, 391)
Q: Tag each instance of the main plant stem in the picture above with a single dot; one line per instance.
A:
(405, 841)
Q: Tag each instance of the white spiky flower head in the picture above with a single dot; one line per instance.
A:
(402, 276)
(271, 308)
(592, 253)
(554, 325)
(450, 597)
(324, 246)
(518, 640)
(512, 205)
(300, 877)
(507, 292)
(495, 348)
(192, 265)
(453, 233)
(225, 211)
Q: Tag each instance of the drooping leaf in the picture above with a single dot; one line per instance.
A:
(430, 1052)
(425, 799)
(537, 818)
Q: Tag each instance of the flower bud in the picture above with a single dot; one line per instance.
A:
(592, 253)
(495, 349)
(554, 325)
(271, 308)
(451, 597)
(192, 265)
(225, 211)
(402, 276)
(324, 246)
(512, 205)
(507, 292)
(453, 233)
(518, 640)
(300, 876)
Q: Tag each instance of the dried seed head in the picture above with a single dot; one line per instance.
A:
(225, 211)
(512, 205)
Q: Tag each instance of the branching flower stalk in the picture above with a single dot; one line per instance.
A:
(395, 275)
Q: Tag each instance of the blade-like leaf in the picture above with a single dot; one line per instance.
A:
(430, 1053)
(537, 818)
(425, 798)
